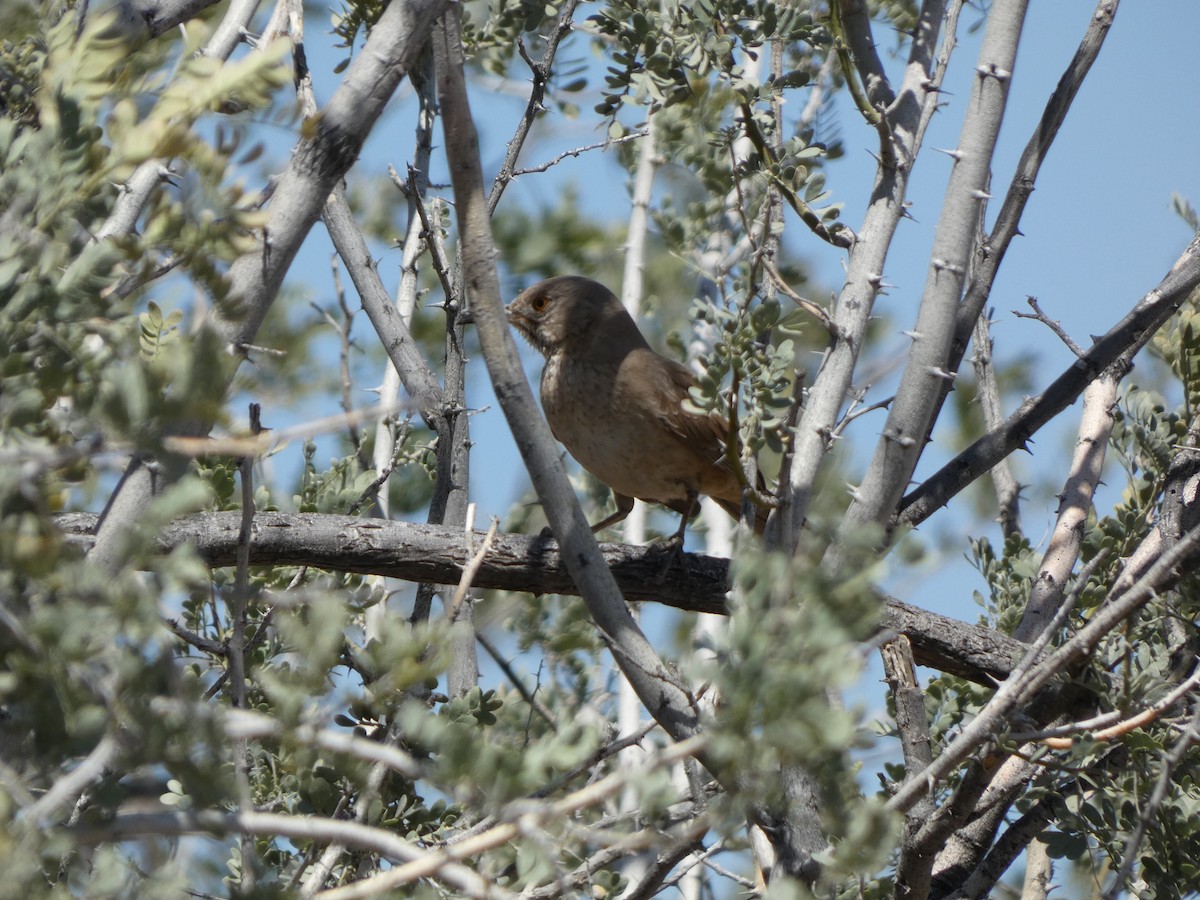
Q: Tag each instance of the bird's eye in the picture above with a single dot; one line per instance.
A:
(539, 303)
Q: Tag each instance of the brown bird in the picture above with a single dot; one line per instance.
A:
(617, 406)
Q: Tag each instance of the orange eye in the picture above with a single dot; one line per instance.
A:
(539, 303)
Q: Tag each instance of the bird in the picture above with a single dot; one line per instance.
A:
(617, 405)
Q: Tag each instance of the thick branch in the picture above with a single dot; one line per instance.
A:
(864, 275)
(1123, 339)
(664, 697)
(990, 252)
(902, 440)
(429, 553)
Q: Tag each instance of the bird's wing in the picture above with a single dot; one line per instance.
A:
(669, 382)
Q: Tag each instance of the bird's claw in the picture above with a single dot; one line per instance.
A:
(672, 550)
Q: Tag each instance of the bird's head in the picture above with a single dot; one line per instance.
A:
(570, 311)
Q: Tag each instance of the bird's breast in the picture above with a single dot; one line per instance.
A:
(614, 431)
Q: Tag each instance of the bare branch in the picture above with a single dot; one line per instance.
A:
(659, 689)
(1008, 491)
(541, 75)
(418, 379)
(1066, 541)
(914, 868)
(864, 275)
(1039, 315)
(990, 253)
(574, 153)
(427, 553)
(1123, 340)
(920, 389)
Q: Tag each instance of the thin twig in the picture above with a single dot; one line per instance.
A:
(1054, 738)
(516, 681)
(236, 648)
(575, 153)
(1053, 324)
(823, 318)
(267, 440)
(537, 92)
(472, 567)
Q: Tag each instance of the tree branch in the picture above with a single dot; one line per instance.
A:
(1066, 541)
(321, 158)
(1123, 339)
(989, 254)
(415, 374)
(853, 23)
(917, 397)
(864, 275)
(1126, 597)
(912, 723)
(429, 553)
(537, 93)
(666, 699)
(1008, 491)
(301, 828)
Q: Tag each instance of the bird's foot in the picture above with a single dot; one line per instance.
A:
(672, 551)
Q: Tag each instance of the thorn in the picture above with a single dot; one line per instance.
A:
(993, 71)
(937, 372)
(854, 492)
(981, 195)
(953, 154)
(912, 335)
(943, 264)
(899, 439)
